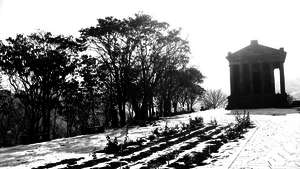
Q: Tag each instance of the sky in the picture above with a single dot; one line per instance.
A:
(213, 27)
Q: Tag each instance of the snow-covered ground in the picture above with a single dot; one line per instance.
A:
(274, 142)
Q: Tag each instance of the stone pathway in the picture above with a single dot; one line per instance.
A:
(274, 145)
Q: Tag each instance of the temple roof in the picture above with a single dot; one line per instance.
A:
(257, 53)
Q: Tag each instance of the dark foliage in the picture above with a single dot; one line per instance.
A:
(242, 123)
(118, 71)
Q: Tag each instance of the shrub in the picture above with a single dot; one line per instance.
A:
(213, 122)
(168, 131)
(141, 140)
(232, 133)
(183, 126)
(94, 155)
(197, 122)
(242, 122)
(243, 119)
(112, 147)
(151, 137)
(156, 132)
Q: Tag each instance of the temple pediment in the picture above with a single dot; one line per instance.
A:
(257, 53)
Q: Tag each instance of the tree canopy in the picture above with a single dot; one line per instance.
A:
(38, 67)
(123, 69)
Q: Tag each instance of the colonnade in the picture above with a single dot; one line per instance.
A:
(255, 78)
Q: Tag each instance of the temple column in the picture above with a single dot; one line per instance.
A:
(241, 83)
(251, 78)
(271, 71)
(231, 79)
(282, 80)
(262, 80)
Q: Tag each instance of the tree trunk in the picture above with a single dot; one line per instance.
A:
(46, 133)
(32, 127)
(175, 107)
(161, 103)
(142, 113)
(167, 107)
(46, 110)
(53, 129)
(187, 107)
(68, 124)
(122, 113)
(152, 108)
(114, 118)
(135, 108)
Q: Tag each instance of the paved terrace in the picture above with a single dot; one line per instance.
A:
(273, 144)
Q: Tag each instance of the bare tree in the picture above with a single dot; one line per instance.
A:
(213, 99)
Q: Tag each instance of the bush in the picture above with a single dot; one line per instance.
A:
(232, 133)
(197, 122)
(151, 137)
(168, 131)
(184, 126)
(156, 132)
(242, 122)
(213, 122)
(243, 119)
(112, 147)
(140, 141)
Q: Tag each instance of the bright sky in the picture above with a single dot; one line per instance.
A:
(213, 27)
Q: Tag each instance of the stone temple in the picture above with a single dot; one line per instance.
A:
(252, 81)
